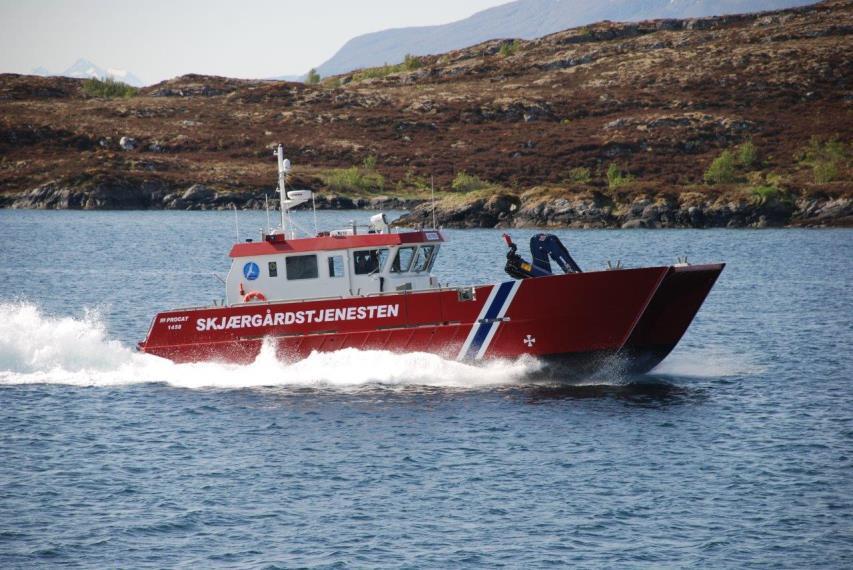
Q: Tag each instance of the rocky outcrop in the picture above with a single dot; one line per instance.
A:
(554, 208)
(103, 195)
(156, 195)
(539, 207)
(481, 211)
(823, 211)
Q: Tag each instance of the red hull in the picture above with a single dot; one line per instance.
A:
(638, 313)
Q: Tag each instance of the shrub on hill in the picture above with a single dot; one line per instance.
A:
(355, 180)
(464, 182)
(722, 169)
(825, 172)
(108, 88)
(509, 48)
(764, 194)
(826, 159)
(410, 63)
(411, 181)
(616, 178)
(580, 174)
(747, 154)
(313, 77)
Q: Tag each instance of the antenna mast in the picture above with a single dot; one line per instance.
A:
(283, 171)
(432, 186)
(267, 208)
(236, 223)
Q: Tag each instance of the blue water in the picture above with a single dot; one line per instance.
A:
(735, 452)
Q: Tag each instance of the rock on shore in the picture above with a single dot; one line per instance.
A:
(549, 208)
(538, 207)
(122, 194)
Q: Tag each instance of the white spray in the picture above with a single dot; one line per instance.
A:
(37, 348)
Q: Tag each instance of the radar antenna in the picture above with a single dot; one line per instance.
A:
(291, 199)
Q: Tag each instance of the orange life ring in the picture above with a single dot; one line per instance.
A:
(254, 296)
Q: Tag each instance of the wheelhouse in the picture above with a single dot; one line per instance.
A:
(335, 264)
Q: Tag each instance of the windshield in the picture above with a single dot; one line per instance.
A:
(403, 261)
(424, 258)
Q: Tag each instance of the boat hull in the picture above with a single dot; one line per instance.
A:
(573, 323)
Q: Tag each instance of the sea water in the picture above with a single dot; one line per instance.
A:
(734, 452)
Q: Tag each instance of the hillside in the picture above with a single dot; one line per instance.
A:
(524, 19)
(537, 126)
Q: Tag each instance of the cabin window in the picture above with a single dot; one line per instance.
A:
(403, 261)
(336, 266)
(301, 267)
(424, 258)
(273, 267)
(369, 261)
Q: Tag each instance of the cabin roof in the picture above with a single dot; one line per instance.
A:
(327, 243)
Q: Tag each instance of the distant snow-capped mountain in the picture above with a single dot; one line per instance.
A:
(84, 69)
(525, 19)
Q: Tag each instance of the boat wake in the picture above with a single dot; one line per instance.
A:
(36, 348)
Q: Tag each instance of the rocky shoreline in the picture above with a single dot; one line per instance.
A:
(537, 207)
(155, 195)
(541, 208)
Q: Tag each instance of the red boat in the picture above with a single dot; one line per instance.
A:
(373, 290)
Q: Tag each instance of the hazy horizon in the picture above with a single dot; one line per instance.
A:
(161, 39)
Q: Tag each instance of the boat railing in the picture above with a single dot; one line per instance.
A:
(331, 298)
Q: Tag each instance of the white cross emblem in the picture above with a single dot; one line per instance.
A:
(529, 340)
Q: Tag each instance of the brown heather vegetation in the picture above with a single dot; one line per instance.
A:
(619, 111)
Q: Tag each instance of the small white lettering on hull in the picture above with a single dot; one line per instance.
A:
(181, 319)
(297, 317)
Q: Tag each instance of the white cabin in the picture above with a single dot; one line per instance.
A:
(279, 269)
(342, 263)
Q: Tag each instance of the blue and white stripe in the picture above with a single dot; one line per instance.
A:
(488, 321)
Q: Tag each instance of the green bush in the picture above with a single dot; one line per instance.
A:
(722, 169)
(763, 194)
(615, 177)
(832, 150)
(410, 63)
(774, 179)
(509, 48)
(313, 77)
(352, 180)
(747, 154)
(826, 159)
(825, 171)
(374, 72)
(769, 189)
(580, 174)
(413, 181)
(369, 162)
(464, 182)
(108, 88)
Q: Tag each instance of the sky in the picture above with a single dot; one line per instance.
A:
(160, 39)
